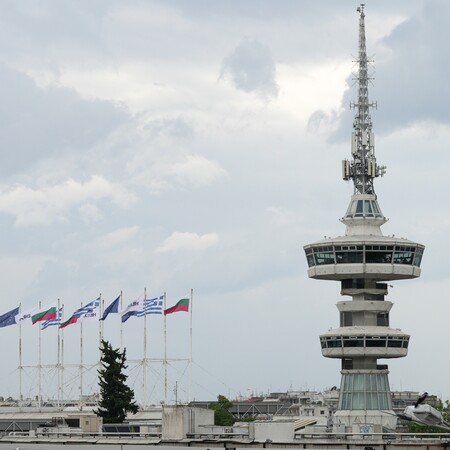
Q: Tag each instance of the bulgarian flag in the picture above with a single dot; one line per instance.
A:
(48, 314)
(70, 321)
(182, 305)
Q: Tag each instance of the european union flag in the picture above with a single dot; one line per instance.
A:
(112, 308)
(9, 318)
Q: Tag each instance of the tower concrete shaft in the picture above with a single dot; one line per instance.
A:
(363, 261)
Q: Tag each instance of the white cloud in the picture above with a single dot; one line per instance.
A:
(196, 170)
(19, 273)
(188, 241)
(118, 237)
(122, 248)
(90, 213)
(283, 217)
(53, 203)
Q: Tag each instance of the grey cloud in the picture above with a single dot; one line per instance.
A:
(411, 86)
(252, 69)
(39, 123)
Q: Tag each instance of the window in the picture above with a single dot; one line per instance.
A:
(403, 257)
(354, 341)
(365, 391)
(395, 342)
(310, 259)
(324, 258)
(346, 319)
(383, 319)
(418, 257)
(379, 257)
(375, 341)
(334, 342)
(350, 257)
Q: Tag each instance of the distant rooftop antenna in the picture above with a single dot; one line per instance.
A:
(363, 168)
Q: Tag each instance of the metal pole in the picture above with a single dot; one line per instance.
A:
(58, 360)
(100, 328)
(165, 353)
(62, 361)
(121, 324)
(190, 346)
(144, 361)
(81, 363)
(39, 365)
(20, 360)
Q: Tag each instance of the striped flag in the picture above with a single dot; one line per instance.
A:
(153, 306)
(133, 309)
(182, 305)
(52, 322)
(44, 313)
(84, 311)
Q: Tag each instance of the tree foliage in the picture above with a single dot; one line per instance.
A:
(116, 398)
(222, 414)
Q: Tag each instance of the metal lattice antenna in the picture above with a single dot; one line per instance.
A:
(363, 168)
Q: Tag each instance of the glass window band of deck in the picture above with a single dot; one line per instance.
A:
(364, 341)
(370, 254)
(363, 208)
(361, 391)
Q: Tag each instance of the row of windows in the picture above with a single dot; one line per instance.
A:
(330, 248)
(346, 318)
(367, 400)
(364, 341)
(365, 391)
(317, 257)
(363, 208)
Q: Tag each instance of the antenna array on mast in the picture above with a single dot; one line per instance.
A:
(363, 168)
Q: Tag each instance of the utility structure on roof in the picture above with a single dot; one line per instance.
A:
(363, 260)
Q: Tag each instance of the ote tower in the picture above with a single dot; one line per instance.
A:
(363, 261)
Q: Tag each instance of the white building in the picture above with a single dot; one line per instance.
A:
(363, 260)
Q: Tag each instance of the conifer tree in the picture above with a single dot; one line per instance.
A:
(116, 398)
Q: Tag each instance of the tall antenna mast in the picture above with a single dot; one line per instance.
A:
(363, 168)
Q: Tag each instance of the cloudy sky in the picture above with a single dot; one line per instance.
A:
(171, 145)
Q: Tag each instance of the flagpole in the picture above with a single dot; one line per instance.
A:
(39, 366)
(62, 359)
(190, 347)
(165, 353)
(58, 361)
(20, 360)
(144, 362)
(81, 363)
(100, 328)
(121, 324)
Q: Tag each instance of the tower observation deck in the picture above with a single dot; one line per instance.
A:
(364, 260)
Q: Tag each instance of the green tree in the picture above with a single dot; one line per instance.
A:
(222, 414)
(116, 398)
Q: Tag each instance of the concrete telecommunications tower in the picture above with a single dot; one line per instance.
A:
(363, 261)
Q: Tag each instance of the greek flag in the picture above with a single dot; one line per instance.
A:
(86, 309)
(153, 306)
